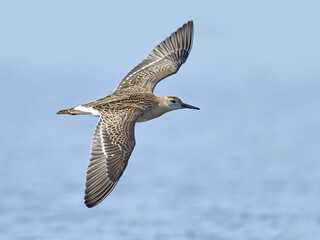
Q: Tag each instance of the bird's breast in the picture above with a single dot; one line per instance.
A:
(151, 113)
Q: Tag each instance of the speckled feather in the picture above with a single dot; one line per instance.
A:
(112, 144)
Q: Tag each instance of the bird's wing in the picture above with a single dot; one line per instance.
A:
(112, 144)
(164, 60)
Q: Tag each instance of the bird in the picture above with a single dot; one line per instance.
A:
(132, 101)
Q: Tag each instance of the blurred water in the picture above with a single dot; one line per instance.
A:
(244, 167)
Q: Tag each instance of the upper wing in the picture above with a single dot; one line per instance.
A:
(164, 60)
(112, 144)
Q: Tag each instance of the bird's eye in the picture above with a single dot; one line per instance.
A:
(173, 101)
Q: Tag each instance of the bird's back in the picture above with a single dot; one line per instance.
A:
(123, 103)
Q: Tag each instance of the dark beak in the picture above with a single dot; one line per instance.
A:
(184, 105)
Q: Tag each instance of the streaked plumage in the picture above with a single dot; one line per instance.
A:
(132, 101)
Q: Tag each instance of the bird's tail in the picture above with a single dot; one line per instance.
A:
(72, 111)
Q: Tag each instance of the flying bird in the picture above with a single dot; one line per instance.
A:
(132, 101)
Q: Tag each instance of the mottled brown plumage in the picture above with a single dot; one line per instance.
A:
(132, 101)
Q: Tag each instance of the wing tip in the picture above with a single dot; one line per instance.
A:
(177, 46)
(91, 201)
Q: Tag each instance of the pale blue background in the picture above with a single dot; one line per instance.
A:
(244, 167)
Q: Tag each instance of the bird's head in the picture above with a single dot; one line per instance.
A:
(173, 103)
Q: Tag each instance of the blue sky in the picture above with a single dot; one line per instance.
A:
(253, 71)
